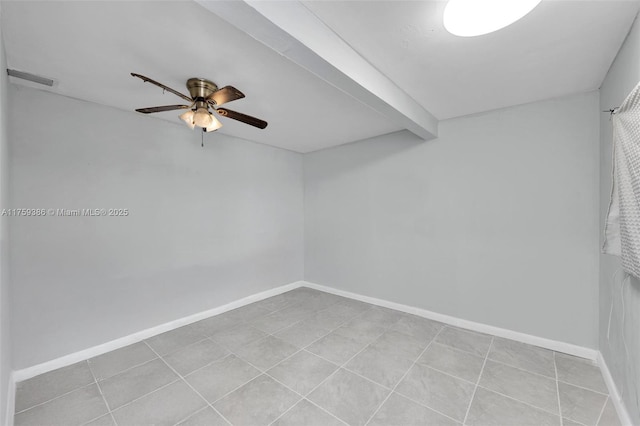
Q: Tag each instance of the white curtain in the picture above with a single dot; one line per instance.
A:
(622, 228)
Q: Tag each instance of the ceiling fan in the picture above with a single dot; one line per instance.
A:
(204, 95)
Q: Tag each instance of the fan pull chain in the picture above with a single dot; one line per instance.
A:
(202, 134)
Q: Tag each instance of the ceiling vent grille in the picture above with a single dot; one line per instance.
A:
(30, 77)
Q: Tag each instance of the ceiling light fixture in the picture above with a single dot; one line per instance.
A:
(468, 18)
(204, 95)
(187, 117)
(201, 117)
(214, 125)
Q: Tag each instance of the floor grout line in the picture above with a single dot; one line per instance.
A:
(602, 411)
(304, 348)
(286, 411)
(518, 400)
(403, 376)
(580, 423)
(191, 387)
(522, 368)
(297, 303)
(482, 387)
(473, 395)
(337, 301)
(422, 404)
(343, 366)
(243, 383)
(144, 341)
(193, 414)
(232, 353)
(54, 398)
(327, 378)
(102, 395)
(283, 328)
(583, 388)
(168, 353)
(205, 337)
(210, 363)
(96, 418)
(337, 369)
(555, 367)
(325, 410)
(264, 372)
(457, 349)
(251, 321)
(447, 374)
(302, 398)
(340, 366)
(461, 379)
(145, 395)
(126, 369)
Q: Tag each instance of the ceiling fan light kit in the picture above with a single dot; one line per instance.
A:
(202, 117)
(205, 95)
(187, 117)
(214, 125)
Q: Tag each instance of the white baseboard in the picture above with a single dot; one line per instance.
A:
(614, 394)
(29, 372)
(542, 342)
(11, 401)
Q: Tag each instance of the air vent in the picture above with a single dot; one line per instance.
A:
(30, 77)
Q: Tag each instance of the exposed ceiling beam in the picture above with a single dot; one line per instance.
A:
(295, 32)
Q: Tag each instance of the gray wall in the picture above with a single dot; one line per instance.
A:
(5, 332)
(496, 221)
(619, 297)
(207, 226)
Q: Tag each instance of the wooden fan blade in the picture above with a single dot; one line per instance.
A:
(168, 89)
(252, 121)
(162, 108)
(224, 95)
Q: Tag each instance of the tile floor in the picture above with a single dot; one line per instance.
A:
(311, 358)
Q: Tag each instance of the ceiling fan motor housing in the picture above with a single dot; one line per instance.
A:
(200, 88)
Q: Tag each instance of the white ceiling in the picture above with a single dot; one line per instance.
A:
(90, 48)
(561, 47)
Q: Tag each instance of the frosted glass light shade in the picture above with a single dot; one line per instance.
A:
(202, 117)
(468, 18)
(215, 124)
(187, 117)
